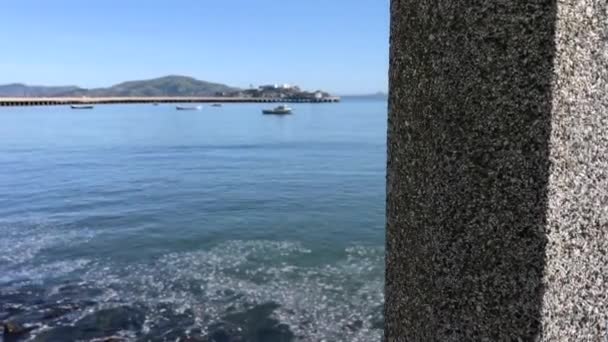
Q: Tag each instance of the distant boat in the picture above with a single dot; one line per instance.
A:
(280, 110)
(155, 104)
(81, 107)
(216, 105)
(189, 107)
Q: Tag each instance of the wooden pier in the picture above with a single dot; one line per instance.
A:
(59, 101)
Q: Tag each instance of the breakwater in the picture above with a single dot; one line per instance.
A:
(58, 101)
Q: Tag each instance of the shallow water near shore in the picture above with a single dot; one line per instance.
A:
(141, 222)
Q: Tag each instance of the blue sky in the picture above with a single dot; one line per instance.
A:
(336, 45)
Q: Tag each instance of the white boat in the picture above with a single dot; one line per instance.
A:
(189, 107)
(280, 110)
(81, 106)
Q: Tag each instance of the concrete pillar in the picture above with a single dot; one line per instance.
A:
(497, 185)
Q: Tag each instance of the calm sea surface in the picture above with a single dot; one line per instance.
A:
(146, 223)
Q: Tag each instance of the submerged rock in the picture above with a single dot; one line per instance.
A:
(112, 320)
(253, 325)
(54, 312)
(110, 339)
(172, 326)
(377, 321)
(356, 325)
(102, 325)
(13, 331)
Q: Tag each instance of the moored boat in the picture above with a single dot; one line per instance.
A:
(189, 107)
(81, 106)
(280, 110)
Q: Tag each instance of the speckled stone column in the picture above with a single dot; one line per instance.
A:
(497, 185)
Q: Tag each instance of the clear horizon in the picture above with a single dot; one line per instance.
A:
(340, 46)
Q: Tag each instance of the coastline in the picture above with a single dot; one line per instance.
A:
(58, 101)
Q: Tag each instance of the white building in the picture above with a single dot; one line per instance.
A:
(275, 86)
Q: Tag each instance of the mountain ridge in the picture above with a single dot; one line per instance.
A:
(170, 85)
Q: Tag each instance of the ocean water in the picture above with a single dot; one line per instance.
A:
(144, 223)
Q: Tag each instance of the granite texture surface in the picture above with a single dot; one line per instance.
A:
(497, 171)
(576, 272)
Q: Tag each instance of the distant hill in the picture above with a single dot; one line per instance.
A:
(22, 90)
(163, 86)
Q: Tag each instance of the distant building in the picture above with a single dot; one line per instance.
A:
(269, 87)
(275, 86)
(319, 95)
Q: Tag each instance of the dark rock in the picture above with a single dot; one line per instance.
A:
(171, 326)
(45, 313)
(75, 292)
(253, 325)
(12, 310)
(110, 339)
(55, 312)
(191, 339)
(356, 325)
(224, 333)
(16, 300)
(101, 324)
(13, 332)
(377, 321)
(112, 320)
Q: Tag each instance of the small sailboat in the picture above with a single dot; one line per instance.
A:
(280, 110)
(81, 106)
(199, 107)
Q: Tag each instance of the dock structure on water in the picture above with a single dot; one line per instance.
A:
(59, 101)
